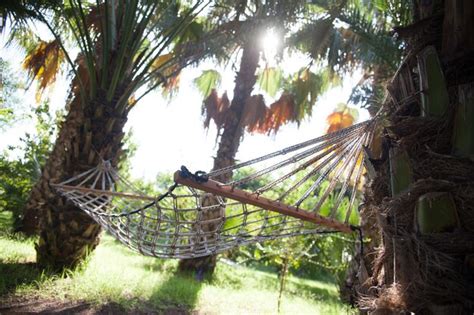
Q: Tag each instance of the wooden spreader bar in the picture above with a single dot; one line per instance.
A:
(217, 188)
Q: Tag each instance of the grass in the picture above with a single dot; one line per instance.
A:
(115, 274)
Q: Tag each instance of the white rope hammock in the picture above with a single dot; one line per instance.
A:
(287, 193)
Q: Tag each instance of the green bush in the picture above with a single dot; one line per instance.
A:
(20, 165)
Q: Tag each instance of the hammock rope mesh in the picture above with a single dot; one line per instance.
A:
(307, 188)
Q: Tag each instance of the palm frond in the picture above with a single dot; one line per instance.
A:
(118, 67)
(371, 43)
(43, 63)
(19, 12)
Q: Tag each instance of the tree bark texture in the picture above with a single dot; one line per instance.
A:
(230, 139)
(90, 132)
(410, 270)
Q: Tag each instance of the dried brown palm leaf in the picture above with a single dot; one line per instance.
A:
(171, 72)
(280, 113)
(255, 113)
(338, 121)
(343, 117)
(215, 108)
(43, 64)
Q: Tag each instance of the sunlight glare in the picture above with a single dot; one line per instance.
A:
(270, 42)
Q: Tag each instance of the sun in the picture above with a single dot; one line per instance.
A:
(270, 42)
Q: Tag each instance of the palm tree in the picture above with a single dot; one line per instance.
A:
(247, 111)
(422, 193)
(230, 140)
(124, 46)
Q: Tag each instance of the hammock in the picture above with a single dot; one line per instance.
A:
(285, 193)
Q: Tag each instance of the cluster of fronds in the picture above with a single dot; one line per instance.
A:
(298, 95)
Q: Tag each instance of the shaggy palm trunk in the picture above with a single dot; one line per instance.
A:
(229, 144)
(424, 260)
(88, 134)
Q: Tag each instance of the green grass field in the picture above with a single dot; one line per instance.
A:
(115, 274)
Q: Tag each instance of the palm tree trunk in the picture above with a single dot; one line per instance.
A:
(413, 271)
(232, 134)
(87, 135)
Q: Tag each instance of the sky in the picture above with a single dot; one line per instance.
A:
(170, 133)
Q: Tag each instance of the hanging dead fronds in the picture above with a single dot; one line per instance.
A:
(256, 116)
(170, 75)
(341, 118)
(215, 108)
(299, 93)
(281, 112)
(43, 63)
(255, 113)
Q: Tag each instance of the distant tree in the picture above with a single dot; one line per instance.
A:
(247, 111)
(10, 84)
(20, 165)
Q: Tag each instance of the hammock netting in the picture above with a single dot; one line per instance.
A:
(307, 188)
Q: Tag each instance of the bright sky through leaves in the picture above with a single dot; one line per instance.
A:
(170, 133)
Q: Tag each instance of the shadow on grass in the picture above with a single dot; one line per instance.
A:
(316, 293)
(15, 274)
(156, 265)
(319, 275)
(321, 288)
(177, 295)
